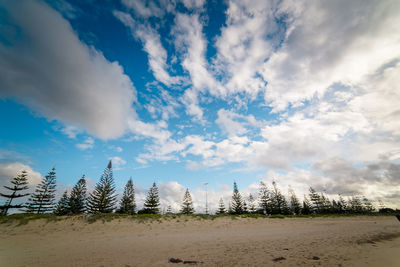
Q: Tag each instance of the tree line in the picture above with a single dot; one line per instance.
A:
(103, 199)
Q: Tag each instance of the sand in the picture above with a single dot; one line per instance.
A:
(342, 241)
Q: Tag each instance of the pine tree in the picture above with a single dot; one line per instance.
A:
(63, 207)
(252, 204)
(103, 197)
(187, 203)
(279, 203)
(381, 205)
(245, 209)
(295, 205)
(335, 207)
(77, 199)
(368, 207)
(237, 203)
(221, 207)
(42, 200)
(264, 196)
(355, 204)
(20, 183)
(169, 209)
(315, 200)
(341, 205)
(306, 209)
(152, 202)
(128, 204)
(326, 206)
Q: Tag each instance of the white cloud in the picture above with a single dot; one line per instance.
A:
(331, 68)
(9, 170)
(12, 169)
(191, 101)
(244, 45)
(163, 105)
(70, 131)
(117, 162)
(50, 70)
(116, 148)
(144, 9)
(342, 44)
(190, 42)
(171, 193)
(234, 124)
(193, 4)
(87, 144)
(149, 130)
(150, 39)
(380, 103)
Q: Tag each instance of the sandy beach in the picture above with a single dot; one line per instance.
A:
(342, 241)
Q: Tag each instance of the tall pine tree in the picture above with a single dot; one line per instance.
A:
(295, 205)
(237, 203)
(152, 202)
(42, 200)
(221, 207)
(279, 203)
(252, 204)
(127, 203)
(342, 205)
(264, 195)
(355, 204)
(169, 210)
(306, 209)
(63, 207)
(77, 199)
(326, 205)
(103, 197)
(20, 183)
(245, 209)
(316, 201)
(368, 206)
(187, 203)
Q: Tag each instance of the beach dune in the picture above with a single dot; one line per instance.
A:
(338, 241)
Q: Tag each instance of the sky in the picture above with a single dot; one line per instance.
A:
(188, 92)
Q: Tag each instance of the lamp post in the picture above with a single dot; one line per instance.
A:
(205, 184)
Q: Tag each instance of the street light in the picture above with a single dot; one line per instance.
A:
(205, 184)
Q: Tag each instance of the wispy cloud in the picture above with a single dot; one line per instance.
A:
(87, 144)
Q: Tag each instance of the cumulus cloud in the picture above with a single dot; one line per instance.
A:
(12, 169)
(49, 69)
(233, 123)
(329, 71)
(343, 44)
(87, 144)
(377, 180)
(9, 170)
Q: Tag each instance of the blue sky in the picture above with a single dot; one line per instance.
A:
(190, 91)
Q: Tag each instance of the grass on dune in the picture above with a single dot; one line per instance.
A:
(24, 218)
